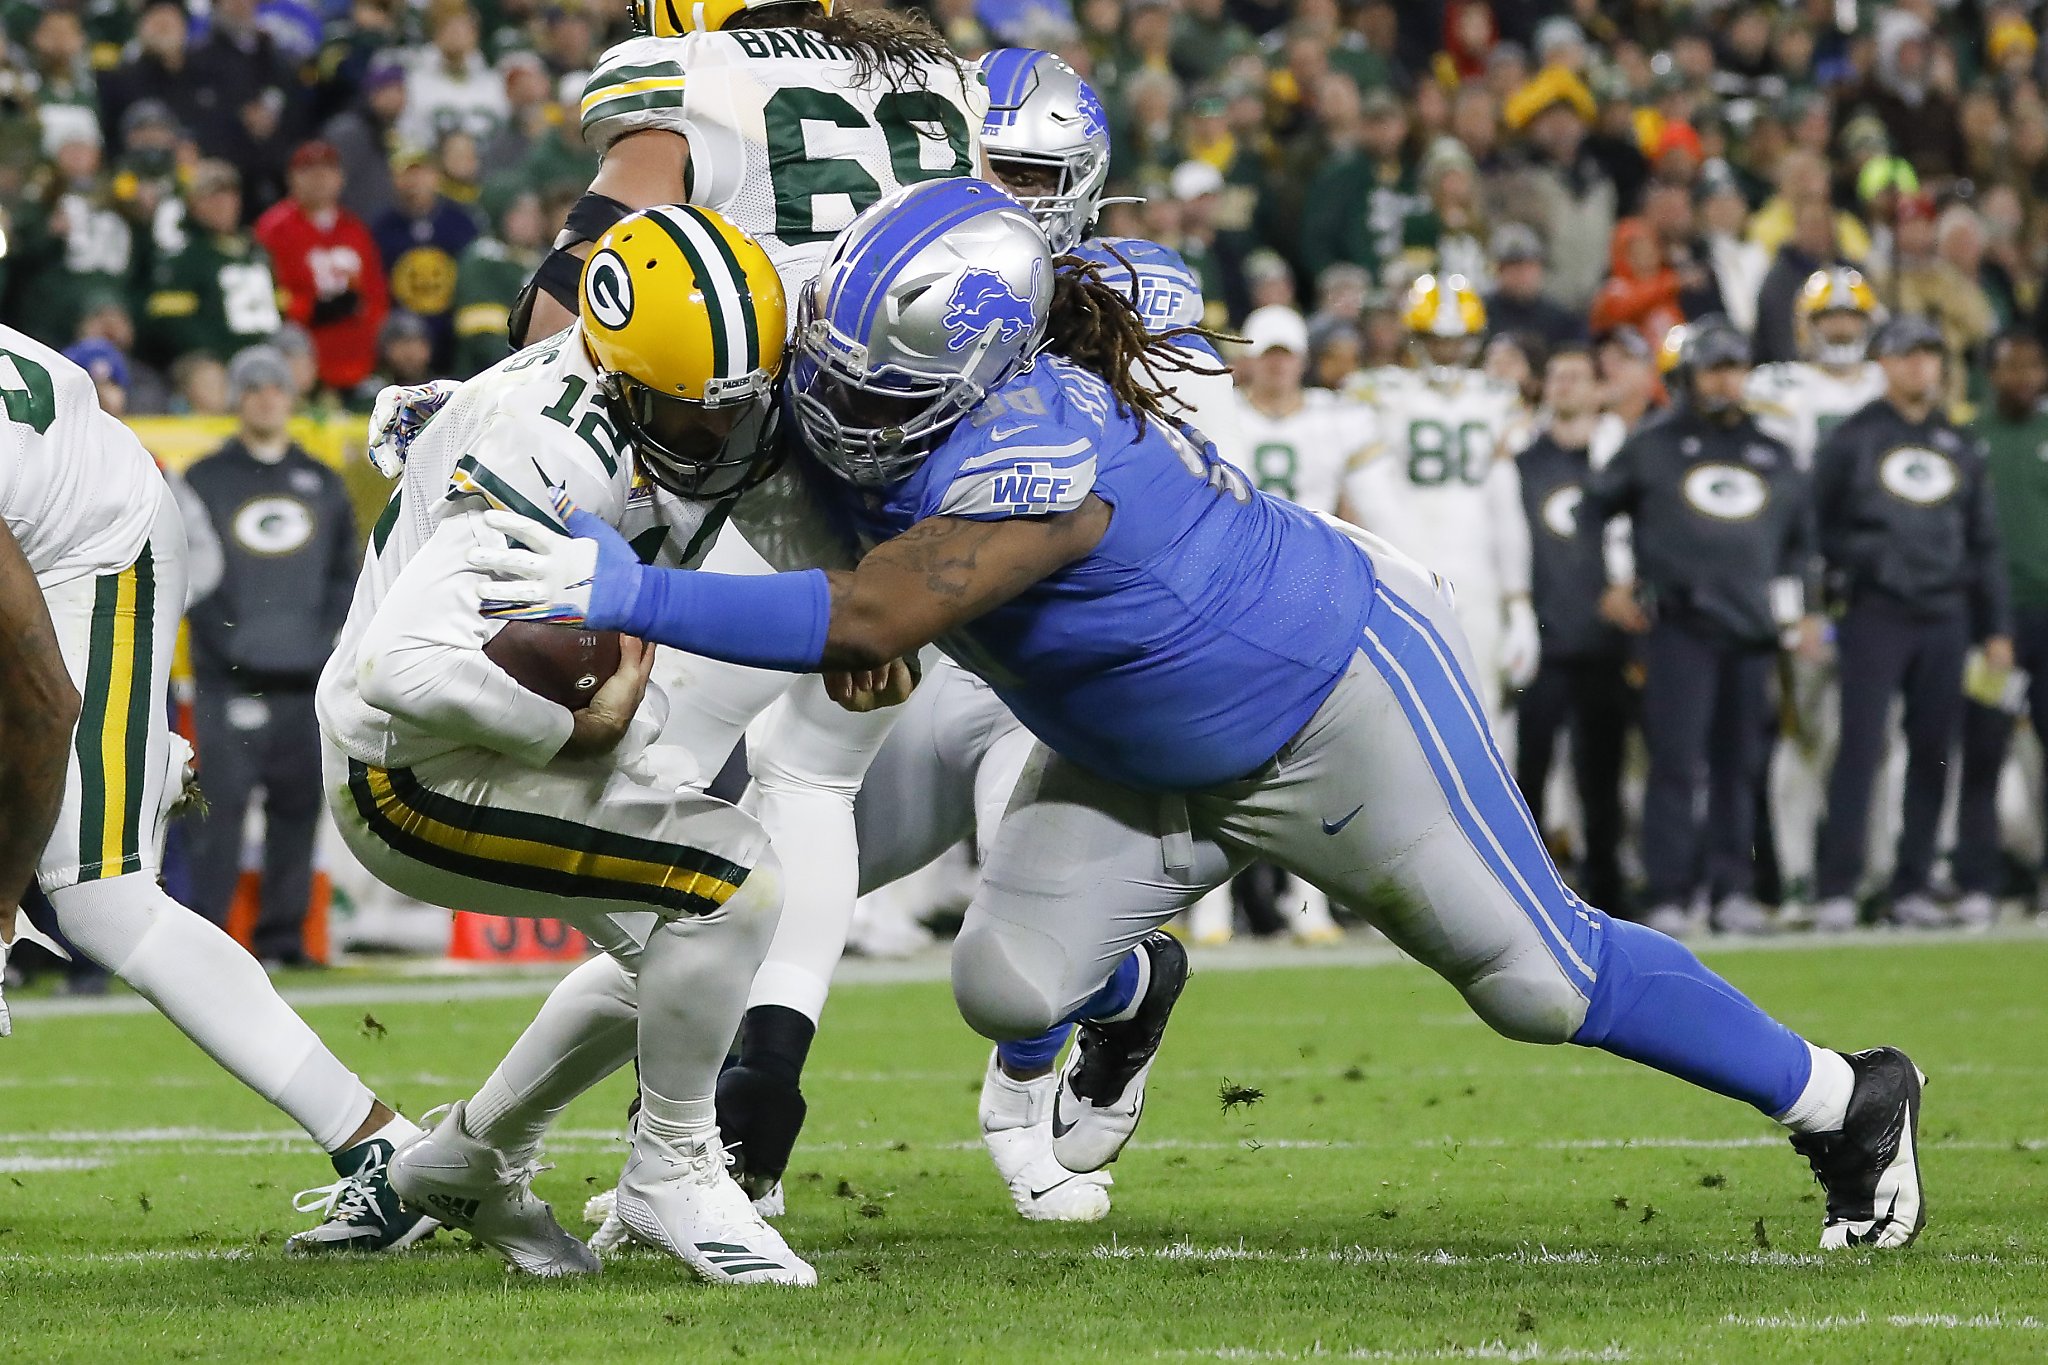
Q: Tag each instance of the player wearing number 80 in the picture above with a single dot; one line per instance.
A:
(1440, 483)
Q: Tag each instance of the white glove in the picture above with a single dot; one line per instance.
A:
(549, 580)
(401, 413)
(1520, 644)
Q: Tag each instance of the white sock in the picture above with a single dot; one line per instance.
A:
(1823, 1106)
(218, 996)
(677, 1122)
(586, 1029)
(1137, 996)
(399, 1131)
(1007, 1102)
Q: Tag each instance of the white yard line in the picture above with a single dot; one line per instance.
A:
(443, 983)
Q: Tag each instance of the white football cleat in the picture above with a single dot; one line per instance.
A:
(684, 1202)
(1919, 912)
(1669, 920)
(1016, 1128)
(601, 1211)
(1741, 916)
(469, 1184)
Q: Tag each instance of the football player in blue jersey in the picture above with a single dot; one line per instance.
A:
(1212, 676)
(1046, 137)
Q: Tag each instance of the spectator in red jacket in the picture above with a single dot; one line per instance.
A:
(1641, 291)
(328, 267)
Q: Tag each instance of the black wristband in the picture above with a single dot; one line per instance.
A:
(589, 219)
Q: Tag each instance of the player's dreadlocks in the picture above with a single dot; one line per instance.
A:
(1096, 325)
(891, 44)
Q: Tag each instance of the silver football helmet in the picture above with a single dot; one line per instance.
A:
(931, 299)
(1046, 123)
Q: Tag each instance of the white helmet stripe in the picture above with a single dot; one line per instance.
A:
(728, 295)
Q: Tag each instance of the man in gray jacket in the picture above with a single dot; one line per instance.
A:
(289, 554)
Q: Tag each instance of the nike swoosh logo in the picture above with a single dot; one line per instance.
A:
(1337, 826)
(1059, 1129)
(1005, 433)
(1040, 1194)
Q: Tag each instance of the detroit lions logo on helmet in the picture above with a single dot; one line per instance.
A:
(1094, 119)
(983, 299)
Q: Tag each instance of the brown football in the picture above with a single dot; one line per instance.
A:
(563, 663)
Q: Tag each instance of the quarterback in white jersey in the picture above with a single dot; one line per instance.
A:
(101, 532)
(456, 785)
(1801, 401)
(1299, 443)
(1440, 482)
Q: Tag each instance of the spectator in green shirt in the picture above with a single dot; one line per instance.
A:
(70, 243)
(489, 275)
(2015, 434)
(214, 295)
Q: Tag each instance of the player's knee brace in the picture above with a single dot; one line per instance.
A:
(998, 997)
(1527, 997)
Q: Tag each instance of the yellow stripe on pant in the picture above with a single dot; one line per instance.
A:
(537, 852)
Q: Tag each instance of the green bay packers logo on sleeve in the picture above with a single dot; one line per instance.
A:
(1726, 492)
(608, 289)
(272, 526)
(1561, 511)
(1917, 475)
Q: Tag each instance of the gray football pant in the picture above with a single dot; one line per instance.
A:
(1393, 799)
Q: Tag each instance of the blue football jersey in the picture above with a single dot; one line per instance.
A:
(1197, 638)
(1168, 294)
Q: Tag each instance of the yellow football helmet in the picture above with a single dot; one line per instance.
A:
(1445, 320)
(685, 319)
(674, 18)
(1836, 292)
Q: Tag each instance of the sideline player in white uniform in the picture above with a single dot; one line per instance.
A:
(101, 531)
(454, 784)
(1440, 483)
(1800, 402)
(1300, 443)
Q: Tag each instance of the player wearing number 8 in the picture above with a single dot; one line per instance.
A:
(1440, 483)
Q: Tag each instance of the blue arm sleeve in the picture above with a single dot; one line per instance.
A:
(775, 620)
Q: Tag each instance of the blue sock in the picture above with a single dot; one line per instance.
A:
(1116, 994)
(1034, 1054)
(1655, 1003)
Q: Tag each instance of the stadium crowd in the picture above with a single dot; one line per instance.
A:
(364, 185)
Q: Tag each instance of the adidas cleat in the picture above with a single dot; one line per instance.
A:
(360, 1211)
(487, 1193)
(1101, 1093)
(1870, 1168)
(683, 1201)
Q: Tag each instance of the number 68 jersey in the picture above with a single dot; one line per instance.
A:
(1439, 482)
(785, 140)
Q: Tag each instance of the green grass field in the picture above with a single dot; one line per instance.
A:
(1409, 1187)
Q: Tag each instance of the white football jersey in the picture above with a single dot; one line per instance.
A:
(1801, 404)
(784, 140)
(1439, 479)
(78, 490)
(529, 424)
(1304, 456)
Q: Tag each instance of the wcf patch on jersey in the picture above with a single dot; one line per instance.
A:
(1030, 488)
